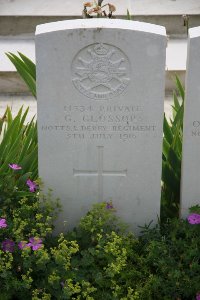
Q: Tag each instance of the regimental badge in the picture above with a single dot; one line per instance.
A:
(101, 71)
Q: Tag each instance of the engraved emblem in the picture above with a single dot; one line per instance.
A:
(101, 71)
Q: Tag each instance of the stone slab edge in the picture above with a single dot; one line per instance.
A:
(97, 23)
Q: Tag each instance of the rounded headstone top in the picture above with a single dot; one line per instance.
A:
(100, 23)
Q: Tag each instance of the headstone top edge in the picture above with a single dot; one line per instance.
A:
(194, 32)
(100, 23)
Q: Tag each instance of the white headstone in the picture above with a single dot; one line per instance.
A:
(100, 86)
(190, 182)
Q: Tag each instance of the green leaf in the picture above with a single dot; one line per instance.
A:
(22, 180)
(2, 122)
(167, 131)
(29, 64)
(128, 16)
(180, 88)
(24, 116)
(176, 102)
(9, 116)
(166, 147)
(18, 143)
(24, 72)
(9, 136)
(172, 153)
(178, 121)
(174, 162)
(170, 179)
(29, 159)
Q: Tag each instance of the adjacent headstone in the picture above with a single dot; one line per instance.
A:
(100, 86)
(190, 183)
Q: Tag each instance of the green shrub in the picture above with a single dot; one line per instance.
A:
(33, 263)
(18, 145)
(108, 256)
(172, 154)
(171, 254)
(97, 260)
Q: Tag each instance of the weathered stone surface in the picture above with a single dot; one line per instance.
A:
(100, 90)
(190, 189)
(11, 83)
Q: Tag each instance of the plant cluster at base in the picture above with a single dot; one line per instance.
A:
(99, 259)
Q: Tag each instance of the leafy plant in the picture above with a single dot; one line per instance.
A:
(172, 154)
(18, 145)
(97, 260)
(26, 69)
(171, 254)
(108, 256)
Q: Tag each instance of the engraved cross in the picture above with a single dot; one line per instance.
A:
(99, 173)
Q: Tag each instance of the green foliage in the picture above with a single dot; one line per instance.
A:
(105, 253)
(173, 259)
(36, 274)
(162, 264)
(26, 69)
(195, 209)
(128, 16)
(97, 260)
(172, 153)
(18, 145)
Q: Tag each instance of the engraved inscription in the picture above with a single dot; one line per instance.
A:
(100, 71)
(103, 122)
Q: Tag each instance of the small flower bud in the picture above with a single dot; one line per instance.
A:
(87, 4)
(90, 11)
(112, 8)
(96, 10)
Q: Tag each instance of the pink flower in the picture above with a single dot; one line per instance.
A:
(8, 245)
(198, 296)
(35, 243)
(3, 223)
(194, 218)
(23, 245)
(32, 185)
(109, 205)
(15, 167)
